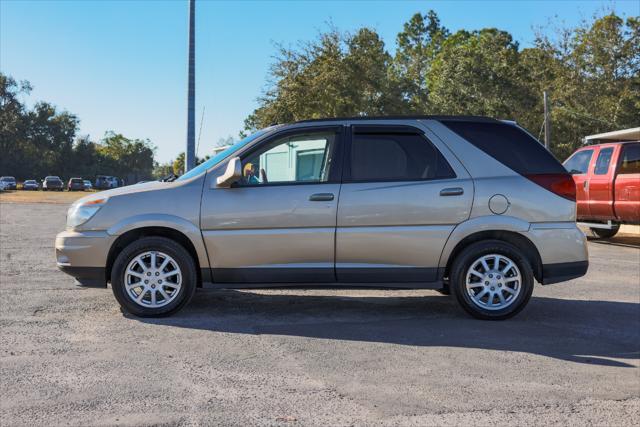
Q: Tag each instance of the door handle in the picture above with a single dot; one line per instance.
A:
(585, 184)
(456, 191)
(321, 197)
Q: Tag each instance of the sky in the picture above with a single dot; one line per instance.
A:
(122, 64)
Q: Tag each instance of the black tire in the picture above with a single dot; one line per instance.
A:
(465, 260)
(604, 233)
(173, 249)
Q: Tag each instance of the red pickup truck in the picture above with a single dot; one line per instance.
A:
(607, 178)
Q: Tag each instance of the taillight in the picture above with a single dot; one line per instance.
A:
(561, 184)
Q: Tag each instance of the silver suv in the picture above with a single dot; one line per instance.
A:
(467, 205)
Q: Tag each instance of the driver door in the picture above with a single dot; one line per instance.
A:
(277, 225)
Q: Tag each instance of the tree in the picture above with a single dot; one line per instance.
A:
(131, 159)
(479, 73)
(592, 73)
(336, 75)
(13, 124)
(417, 46)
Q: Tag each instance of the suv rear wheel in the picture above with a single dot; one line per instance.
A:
(492, 280)
(153, 276)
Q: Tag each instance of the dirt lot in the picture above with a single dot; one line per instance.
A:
(68, 356)
(63, 197)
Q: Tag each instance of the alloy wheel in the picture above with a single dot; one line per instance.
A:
(152, 279)
(493, 282)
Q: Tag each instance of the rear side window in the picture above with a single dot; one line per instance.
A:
(630, 159)
(396, 157)
(509, 145)
(602, 162)
(579, 162)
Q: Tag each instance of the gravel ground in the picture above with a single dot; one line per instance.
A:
(68, 356)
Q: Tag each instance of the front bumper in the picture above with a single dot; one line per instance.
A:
(90, 277)
(83, 255)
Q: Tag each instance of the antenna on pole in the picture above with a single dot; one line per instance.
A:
(200, 132)
(190, 154)
(547, 121)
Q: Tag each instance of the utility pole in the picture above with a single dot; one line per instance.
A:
(190, 154)
(547, 121)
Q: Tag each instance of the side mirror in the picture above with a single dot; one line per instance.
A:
(231, 175)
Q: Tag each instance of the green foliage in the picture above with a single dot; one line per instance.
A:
(39, 142)
(336, 75)
(591, 73)
(176, 167)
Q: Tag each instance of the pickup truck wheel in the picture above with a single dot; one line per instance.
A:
(492, 280)
(153, 277)
(605, 233)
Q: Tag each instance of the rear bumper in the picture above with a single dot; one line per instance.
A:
(563, 250)
(563, 271)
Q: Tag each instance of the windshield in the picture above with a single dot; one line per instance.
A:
(202, 167)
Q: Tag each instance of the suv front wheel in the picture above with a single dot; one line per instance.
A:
(492, 280)
(153, 276)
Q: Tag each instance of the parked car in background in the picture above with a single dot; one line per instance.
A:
(607, 178)
(3, 185)
(9, 183)
(30, 185)
(468, 205)
(105, 182)
(52, 183)
(75, 184)
(87, 184)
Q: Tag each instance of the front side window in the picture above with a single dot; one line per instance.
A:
(291, 159)
(630, 159)
(396, 157)
(579, 163)
(602, 162)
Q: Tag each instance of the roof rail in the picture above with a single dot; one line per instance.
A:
(407, 117)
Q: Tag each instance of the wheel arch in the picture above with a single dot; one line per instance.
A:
(152, 231)
(516, 239)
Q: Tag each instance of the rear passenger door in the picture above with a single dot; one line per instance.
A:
(627, 183)
(400, 200)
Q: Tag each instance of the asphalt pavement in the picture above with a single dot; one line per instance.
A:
(69, 356)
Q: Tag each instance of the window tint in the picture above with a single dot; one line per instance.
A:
(294, 159)
(579, 162)
(602, 162)
(385, 157)
(508, 144)
(630, 159)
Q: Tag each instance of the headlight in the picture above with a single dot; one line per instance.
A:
(79, 213)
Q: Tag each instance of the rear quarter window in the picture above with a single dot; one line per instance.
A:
(509, 145)
(630, 162)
